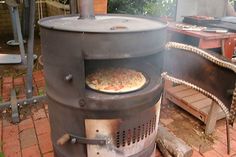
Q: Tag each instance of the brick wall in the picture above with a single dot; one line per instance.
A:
(100, 6)
(55, 8)
(5, 20)
(5, 23)
(49, 8)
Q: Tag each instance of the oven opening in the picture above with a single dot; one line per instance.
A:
(121, 76)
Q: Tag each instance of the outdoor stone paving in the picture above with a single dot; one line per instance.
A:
(31, 137)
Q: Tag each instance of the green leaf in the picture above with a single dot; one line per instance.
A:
(1, 154)
(143, 7)
(41, 92)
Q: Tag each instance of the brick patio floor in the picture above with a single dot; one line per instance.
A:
(31, 137)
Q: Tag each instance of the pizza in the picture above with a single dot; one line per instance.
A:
(116, 80)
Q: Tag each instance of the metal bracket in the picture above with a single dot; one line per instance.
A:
(14, 104)
(23, 102)
(14, 107)
(77, 139)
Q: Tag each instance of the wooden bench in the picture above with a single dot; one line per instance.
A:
(195, 103)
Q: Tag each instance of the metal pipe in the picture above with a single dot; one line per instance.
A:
(13, 19)
(19, 34)
(73, 8)
(30, 49)
(86, 9)
(25, 19)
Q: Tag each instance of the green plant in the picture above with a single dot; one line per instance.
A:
(126, 6)
(1, 154)
(160, 8)
(143, 7)
(41, 92)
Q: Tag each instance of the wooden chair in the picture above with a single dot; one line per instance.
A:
(205, 72)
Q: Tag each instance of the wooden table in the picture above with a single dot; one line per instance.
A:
(204, 40)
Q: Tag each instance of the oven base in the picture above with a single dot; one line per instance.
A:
(145, 153)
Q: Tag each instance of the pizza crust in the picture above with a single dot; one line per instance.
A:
(116, 80)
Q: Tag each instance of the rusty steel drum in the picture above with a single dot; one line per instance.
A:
(101, 124)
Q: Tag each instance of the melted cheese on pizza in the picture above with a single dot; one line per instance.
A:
(115, 80)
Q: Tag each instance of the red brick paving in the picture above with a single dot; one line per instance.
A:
(42, 126)
(10, 133)
(26, 124)
(7, 80)
(45, 143)
(48, 155)
(12, 149)
(211, 153)
(31, 137)
(196, 154)
(32, 151)
(28, 138)
(38, 114)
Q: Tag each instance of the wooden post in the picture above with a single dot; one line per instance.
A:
(167, 85)
(162, 149)
(212, 118)
(173, 144)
